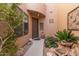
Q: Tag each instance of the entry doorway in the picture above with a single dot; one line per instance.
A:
(35, 28)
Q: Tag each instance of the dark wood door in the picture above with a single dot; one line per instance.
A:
(35, 33)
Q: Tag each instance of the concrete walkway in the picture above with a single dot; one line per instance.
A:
(36, 49)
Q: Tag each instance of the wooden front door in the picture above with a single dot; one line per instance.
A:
(35, 33)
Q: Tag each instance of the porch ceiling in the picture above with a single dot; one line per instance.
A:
(36, 14)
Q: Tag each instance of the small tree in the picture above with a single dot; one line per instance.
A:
(10, 14)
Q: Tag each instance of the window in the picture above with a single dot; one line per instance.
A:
(25, 26)
(22, 29)
(41, 26)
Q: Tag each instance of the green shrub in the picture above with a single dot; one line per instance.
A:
(50, 42)
(9, 48)
(10, 14)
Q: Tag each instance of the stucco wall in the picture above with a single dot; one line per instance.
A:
(23, 39)
(41, 21)
(51, 15)
(59, 16)
(39, 7)
(63, 10)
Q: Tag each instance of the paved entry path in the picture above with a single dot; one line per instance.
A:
(36, 49)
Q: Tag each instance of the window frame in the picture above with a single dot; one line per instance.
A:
(21, 11)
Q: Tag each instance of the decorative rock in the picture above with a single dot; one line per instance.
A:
(20, 52)
(49, 54)
(31, 40)
(45, 51)
(29, 43)
(72, 52)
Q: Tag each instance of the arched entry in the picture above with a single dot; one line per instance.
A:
(36, 16)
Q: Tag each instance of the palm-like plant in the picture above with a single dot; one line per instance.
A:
(65, 35)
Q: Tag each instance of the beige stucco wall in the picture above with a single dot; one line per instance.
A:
(41, 21)
(59, 16)
(63, 10)
(51, 13)
(39, 7)
(49, 28)
(23, 39)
